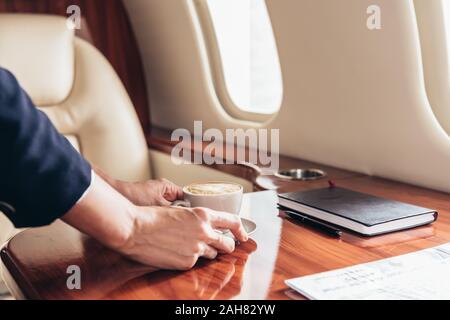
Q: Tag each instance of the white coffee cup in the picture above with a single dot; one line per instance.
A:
(219, 196)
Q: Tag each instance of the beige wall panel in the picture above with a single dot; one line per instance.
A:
(431, 21)
(353, 98)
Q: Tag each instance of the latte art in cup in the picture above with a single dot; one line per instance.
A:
(219, 196)
(213, 188)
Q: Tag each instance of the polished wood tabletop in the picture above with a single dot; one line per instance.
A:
(37, 260)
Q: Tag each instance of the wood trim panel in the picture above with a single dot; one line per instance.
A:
(282, 249)
(160, 139)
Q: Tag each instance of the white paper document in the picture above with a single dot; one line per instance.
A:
(423, 274)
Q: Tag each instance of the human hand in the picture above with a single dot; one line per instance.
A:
(159, 192)
(175, 238)
(161, 237)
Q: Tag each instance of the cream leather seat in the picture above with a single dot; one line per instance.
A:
(77, 88)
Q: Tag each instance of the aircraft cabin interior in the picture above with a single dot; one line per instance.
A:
(224, 150)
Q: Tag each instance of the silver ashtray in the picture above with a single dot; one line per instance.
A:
(301, 174)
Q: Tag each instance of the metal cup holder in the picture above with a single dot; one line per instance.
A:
(301, 174)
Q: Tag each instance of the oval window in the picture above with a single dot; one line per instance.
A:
(248, 52)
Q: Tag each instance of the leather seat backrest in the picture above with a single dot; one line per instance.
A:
(70, 81)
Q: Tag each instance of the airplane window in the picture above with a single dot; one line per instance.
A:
(249, 54)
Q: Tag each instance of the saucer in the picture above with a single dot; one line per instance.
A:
(249, 226)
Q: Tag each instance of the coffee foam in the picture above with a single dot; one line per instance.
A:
(212, 188)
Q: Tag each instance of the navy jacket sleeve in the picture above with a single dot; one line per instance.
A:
(41, 175)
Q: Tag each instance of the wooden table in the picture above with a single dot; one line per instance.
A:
(36, 261)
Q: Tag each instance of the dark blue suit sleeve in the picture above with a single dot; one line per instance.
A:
(41, 175)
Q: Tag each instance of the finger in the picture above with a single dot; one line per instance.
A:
(164, 203)
(221, 242)
(173, 192)
(179, 193)
(209, 252)
(229, 221)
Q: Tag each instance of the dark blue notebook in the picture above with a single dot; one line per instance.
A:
(363, 213)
